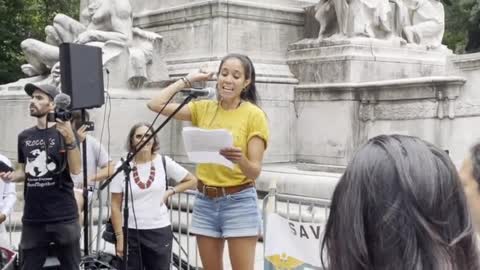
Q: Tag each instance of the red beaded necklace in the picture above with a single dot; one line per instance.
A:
(139, 182)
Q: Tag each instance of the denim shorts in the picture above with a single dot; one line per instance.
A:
(234, 215)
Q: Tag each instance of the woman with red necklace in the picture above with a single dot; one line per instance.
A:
(149, 232)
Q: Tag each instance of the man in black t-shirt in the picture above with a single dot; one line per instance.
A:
(47, 155)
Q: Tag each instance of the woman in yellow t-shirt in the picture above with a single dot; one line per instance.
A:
(226, 204)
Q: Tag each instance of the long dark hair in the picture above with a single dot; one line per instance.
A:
(131, 147)
(475, 157)
(250, 93)
(399, 206)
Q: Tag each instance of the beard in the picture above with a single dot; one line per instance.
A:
(36, 113)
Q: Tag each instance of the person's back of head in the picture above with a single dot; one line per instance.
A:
(399, 205)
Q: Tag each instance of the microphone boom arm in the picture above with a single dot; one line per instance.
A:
(130, 156)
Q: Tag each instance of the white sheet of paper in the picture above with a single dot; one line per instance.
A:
(203, 145)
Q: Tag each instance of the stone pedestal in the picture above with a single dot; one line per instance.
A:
(347, 115)
(362, 60)
(201, 32)
(355, 89)
(197, 33)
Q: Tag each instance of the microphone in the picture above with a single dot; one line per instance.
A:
(208, 92)
(62, 101)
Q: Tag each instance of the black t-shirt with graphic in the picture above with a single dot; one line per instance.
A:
(48, 186)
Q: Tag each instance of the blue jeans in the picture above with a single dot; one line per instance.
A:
(234, 215)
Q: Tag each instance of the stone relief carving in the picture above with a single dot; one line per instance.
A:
(418, 22)
(468, 108)
(404, 110)
(106, 24)
(439, 108)
(443, 104)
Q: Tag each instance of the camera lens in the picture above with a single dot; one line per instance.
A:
(63, 115)
(67, 116)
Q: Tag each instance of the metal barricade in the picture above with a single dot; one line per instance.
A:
(294, 208)
(99, 203)
(184, 249)
(11, 227)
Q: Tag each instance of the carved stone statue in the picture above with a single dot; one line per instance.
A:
(368, 18)
(419, 22)
(107, 24)
(422, 22)
(353, 18)
(326, 15)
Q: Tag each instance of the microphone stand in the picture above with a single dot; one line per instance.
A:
(125, 167)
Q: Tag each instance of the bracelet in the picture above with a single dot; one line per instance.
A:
(119, 234)
(173, 189)
(186, 81)
(70, 146)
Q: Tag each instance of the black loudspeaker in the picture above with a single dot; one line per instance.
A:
(82, 75)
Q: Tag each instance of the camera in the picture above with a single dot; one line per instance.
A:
(64, 115)
(90, 126)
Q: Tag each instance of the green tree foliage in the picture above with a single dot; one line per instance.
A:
(459, 16)
(473, 44)
(44, 10)
(22, 19)
(14, 28)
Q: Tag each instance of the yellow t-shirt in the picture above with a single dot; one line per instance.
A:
(245, 122)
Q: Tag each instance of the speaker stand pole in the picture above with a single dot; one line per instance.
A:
(85, 191)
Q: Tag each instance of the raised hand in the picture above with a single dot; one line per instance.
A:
(82, 133)
(200, 75)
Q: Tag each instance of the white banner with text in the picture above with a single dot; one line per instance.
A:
(292, 245)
